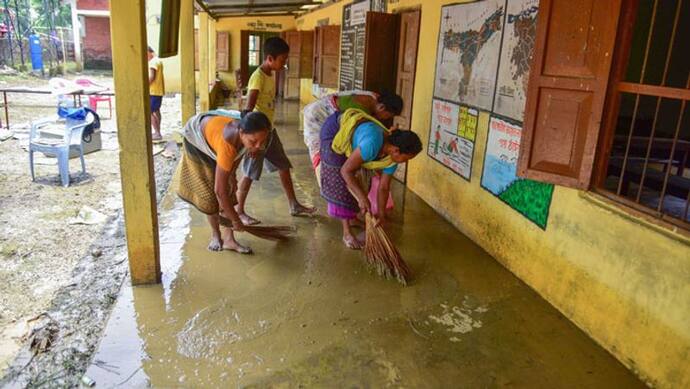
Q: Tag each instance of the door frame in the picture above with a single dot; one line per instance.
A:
(415, 9)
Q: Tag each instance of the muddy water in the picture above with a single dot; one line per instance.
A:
(308, 313)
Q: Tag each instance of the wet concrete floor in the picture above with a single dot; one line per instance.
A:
(308, 313)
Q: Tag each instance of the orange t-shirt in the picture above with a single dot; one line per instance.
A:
(225, 152)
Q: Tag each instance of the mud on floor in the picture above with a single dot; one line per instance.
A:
(50, 261)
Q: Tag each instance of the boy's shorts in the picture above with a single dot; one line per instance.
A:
(156, 102)
(275, 157)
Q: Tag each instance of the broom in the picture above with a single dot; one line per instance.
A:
(381, 253)
(274, 233)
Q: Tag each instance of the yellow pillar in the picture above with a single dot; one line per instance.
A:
(187, 80)
(128, 41)
(212, 49)
(203, 62)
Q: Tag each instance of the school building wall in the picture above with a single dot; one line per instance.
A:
(233, 25)
(620, 278)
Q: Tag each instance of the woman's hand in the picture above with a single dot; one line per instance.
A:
(364, 204)
(237, 224)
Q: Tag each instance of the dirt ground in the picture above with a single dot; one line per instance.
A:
(52, 262)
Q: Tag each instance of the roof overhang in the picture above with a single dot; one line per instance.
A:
(229, 8)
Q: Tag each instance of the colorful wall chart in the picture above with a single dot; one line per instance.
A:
(531, 198)
(449, 141)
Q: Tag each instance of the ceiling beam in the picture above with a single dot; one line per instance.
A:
(263, 5)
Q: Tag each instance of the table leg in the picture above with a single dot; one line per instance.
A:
(7, 113)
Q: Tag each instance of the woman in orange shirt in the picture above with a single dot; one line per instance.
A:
(213, 147)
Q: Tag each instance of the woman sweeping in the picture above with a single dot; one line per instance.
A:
(213, 147)
(383, 107)
(354, 140)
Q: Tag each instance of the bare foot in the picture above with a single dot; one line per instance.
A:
(234, 246)
(156, 137)
(356, 223)
(248, 220)
(298, 209)
(352, 243)
(215, 244)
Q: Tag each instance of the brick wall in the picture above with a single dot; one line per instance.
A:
(97, 52)
(93, 4)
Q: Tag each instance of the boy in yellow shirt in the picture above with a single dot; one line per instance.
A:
(156, 90)
(261, 97)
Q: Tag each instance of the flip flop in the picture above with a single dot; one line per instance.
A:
(356, 245)
(302, 211)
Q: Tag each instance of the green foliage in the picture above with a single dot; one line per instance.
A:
(530, 198)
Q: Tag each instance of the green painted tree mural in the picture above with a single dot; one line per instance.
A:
(530, 198)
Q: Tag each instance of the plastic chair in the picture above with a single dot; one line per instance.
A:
(94, 99)
(58, 147)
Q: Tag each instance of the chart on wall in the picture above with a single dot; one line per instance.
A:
(453, 130)
(516, 53)
(352, 41)
(468, 52)
(531, 198)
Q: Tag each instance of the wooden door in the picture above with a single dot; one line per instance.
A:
(291, 79)
(407, 65)
(381, 43)
(244, 57)
(567, 88)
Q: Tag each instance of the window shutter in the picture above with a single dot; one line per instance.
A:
(329, 59)
(567, 89)
(316, 60)
(223, 51)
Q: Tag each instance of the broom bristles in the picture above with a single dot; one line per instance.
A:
(274, 233)
(381, 253)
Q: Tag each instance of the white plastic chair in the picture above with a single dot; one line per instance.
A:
(56, 146)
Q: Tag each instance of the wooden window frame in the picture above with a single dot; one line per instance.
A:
(615, 87)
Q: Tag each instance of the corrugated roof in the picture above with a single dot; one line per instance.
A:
(225, 8)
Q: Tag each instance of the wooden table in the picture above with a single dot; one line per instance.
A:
(76, 97)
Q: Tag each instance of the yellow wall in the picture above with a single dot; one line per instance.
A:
(235, 25)
(623, 281)
(171, 66)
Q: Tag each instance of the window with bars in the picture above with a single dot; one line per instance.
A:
(646, 153)
(254, 50)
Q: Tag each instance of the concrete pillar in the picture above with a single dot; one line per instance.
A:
(187, 81)
(76, 37)
(212, 49)
(130, 73)
(203, 62)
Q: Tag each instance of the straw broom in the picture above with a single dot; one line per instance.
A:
(274, 233)
(381, 253)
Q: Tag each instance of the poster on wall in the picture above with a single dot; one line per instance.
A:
(516, 54)
(446, 145)
(468, 52)
(531, 198)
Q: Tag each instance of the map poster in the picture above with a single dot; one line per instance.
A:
(468, 52)
(531, 198)
(516, 53)
(445, 145)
